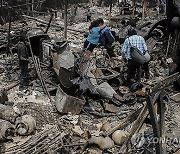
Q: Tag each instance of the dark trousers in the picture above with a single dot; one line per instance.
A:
(110, 51)
(24, 74)
(134, 71)
(145, 70)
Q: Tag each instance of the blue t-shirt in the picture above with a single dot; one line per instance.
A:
(94, 36)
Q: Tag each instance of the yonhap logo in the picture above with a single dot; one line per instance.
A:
(139, 140)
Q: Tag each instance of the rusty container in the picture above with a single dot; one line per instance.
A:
(25, 125)
(6, 130)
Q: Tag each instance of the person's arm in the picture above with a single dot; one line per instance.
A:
(90, 27)
(24, 59)
(124, 49)
(109, 37)
(22, 51)
(144, 45)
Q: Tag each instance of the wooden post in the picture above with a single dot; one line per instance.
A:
(9, 30)
(65, 19)
(49, 24)
(110, 10)
(28, 7)
(134, 8)
(143, 9)
(32, 6)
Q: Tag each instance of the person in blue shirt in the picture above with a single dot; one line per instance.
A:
(107, 37)
(93, 37)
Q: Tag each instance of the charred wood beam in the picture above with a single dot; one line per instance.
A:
(124, 122)
(164, 83)
(138, 123)
(162, 119)
(49, 24)
(38, 70)
(54, 25)
(16, 6)
(65, 19)
(9, 30)
(9, 87)
(154, 122)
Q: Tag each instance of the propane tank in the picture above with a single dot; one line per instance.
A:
(8, 113)
(25, 125)
(6, 130)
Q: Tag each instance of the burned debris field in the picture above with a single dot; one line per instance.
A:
(90, 77)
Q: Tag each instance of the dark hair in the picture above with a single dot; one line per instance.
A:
(132, 22)
(22, 36)
(101, 21)
(123, 21)
(132, 32)
(95, 23)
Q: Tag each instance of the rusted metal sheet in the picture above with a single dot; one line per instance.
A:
(62, 57)
(65, 103)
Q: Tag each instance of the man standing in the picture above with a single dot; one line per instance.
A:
(107, 38)
(133, 68)
(23, 60)
(123, 32)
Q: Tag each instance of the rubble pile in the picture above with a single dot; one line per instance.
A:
(79, 106)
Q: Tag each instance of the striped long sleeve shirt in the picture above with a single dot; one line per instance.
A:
(133, 41)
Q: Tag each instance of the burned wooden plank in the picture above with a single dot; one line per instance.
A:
(162, 120)
(154, 122)
(138, 123)
(124, 122)
(176, 97)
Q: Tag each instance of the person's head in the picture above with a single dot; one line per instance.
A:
(23, 36)
(94, 23)
(123, 21)
(101, 21)
(132, 22)
(132, 32)
(106, 22)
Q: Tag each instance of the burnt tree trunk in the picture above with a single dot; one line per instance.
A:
(65, 19)
(134, 8)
